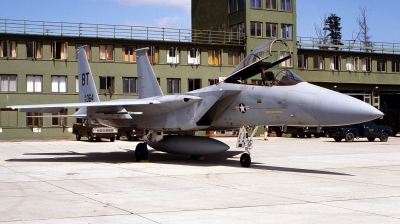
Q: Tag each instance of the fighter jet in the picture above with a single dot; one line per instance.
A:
(168, 122)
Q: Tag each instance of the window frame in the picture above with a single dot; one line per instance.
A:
(287, 31)
(173, 55)
(104, 54)
(215, 57)
(366, 63)
(320, 65)
(194, 56)
(10, 47)
(130, 55)
(108, 80)
(270, 2)
(34, 84)
(335, 63)
(37, 49)
(255, 4)
(129, 82)
(381, 65)
(395, 65)
(285, 5)
(256, 29)
(233, 57)
(269, 27)
(59, 121)
(59, 50)
(34, 121)
(194, 84)
(59, 87)
(303, 59)
(153, 54)
(8, 80)
(172, 89)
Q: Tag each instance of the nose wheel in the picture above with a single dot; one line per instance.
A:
(245, 160)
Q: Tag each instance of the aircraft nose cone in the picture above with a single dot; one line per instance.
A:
(333, 108)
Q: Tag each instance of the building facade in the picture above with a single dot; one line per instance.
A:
(38, 62)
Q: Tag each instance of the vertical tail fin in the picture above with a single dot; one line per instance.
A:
(87, 88)
(147, 82)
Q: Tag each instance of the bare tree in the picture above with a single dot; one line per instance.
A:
(322, 31)
(362, 35)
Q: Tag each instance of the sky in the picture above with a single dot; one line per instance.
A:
(382, 16)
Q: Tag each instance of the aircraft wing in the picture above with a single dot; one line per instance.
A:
(52, 108)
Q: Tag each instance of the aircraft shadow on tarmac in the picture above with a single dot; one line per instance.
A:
(220, 159)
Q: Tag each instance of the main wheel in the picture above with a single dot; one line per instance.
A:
(141, 152)
(349, 137)
(90, 138)
(78, 137)
(245, 160)
(384, 137)
(337, 139)
(371, 139)
(112, 139)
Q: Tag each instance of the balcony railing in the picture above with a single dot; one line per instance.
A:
(348, 45)
(11, 26)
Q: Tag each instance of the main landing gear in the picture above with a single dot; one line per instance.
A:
(243, 141)
(141, 151)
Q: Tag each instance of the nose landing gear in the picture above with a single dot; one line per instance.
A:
(243, 141)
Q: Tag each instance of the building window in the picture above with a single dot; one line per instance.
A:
(194, 84)
(366, 64)
(8, 49)
(212, 82)
(173, 85)
(129, 85)
(152, 54)
(34, 49)
(129, 53)
(233, 57)
(286, 5)
(232, 6)
(33, 119)
(193, 56)
(59, 121)
(318, 61)
(58, 83)
(335, 62)
(233, 32)
(76, 84)
(286, 31)
(302, 61)
(214, 57)
(106, 84)
(271, 30)
(351, 63)
(87, 50)
(106, 52)
(241, 30)
(255, 3)
(396, 66)
(173, 55)
(381, 65)
(33, 83)
(256, 29)
(288, 62)
(8, 83)
(59, 50)
(270, 4)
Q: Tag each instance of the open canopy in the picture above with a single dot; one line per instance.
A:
(264, 55)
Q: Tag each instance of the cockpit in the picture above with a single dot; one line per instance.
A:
(262, 58)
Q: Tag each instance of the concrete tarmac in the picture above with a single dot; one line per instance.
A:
(291, 180)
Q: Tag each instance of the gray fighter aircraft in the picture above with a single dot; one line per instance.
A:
(168, 122)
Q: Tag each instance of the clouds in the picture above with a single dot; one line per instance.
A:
(185, 4)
